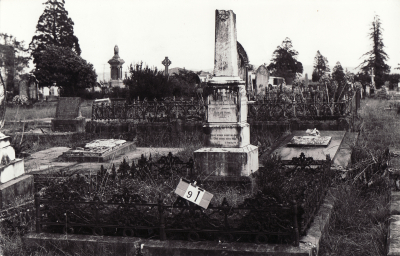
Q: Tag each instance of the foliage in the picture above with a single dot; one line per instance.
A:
(151, 83)
(284, 62)
(64, 67)
(185, 82)
(146, 82)
(338, 74)
(20, 100)
(360, 216)
(376, 57)
(54, 27)
(321, 67)
(14, 58)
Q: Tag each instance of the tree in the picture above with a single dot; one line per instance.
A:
(338, 73)
(284, 61)
(321, 66)
(377, 57)
(147, 83)
(64, 67)
(184, 82)
(54, 28)
(14, 58)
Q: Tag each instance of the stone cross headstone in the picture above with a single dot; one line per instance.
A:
(68, 116)
(372, 77)
(166, 62)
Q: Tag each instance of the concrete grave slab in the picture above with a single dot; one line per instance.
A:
(318, 153)
(99, 151)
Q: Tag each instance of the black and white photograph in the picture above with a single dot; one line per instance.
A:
(199, 128)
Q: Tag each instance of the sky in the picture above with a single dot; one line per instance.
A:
(185, 30)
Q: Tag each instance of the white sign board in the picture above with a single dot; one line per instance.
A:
(193, 193)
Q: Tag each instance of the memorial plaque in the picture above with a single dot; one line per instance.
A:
(68, 107)
(222, 113)
(228, 137)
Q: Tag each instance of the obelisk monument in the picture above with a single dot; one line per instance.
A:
(227, 151)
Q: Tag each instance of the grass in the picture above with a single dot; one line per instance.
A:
(359, 222)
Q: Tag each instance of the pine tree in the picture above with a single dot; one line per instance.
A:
(284, 61)
(54, 28)
(377, 57)
(321, 66)
(338, 73)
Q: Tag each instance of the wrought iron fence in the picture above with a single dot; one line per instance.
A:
(128, 214)
(278, 111)
(262, 110)
(149, 111)
(260, 218)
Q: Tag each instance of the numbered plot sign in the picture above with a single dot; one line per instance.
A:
(193, 193)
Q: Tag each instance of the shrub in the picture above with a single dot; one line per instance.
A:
(20, 100)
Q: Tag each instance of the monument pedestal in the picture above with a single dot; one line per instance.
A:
(68, 116)
(68, 125)
(10, 167)
(117, 83)
(13, 182)
(227, 162)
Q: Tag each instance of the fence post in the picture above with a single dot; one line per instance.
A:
(163, 237)
(295, 224)
(37, 206)
(294, 106)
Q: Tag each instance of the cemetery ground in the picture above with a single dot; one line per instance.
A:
(360, 217)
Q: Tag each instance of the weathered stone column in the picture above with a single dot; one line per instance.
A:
(116, 69)
(227, 151)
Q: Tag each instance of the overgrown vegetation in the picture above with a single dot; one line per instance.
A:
(359, 222)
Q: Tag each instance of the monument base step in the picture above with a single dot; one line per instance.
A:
(19, 187)
(70, 156)
(68, 125)
(227, 162)
(12, 170)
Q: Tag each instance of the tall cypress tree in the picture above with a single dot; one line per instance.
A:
(338, 73)
(321, 66)
(377, 57)
(54, 28)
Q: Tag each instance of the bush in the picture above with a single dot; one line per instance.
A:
(20, 100)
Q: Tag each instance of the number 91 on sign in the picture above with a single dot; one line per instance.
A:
(193, 193)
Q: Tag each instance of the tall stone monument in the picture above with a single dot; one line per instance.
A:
(13, 182)
(116, 69)
(227, 151)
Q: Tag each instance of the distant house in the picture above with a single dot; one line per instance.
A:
(205, 76)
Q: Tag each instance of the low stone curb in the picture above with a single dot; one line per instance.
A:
(393, 239)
